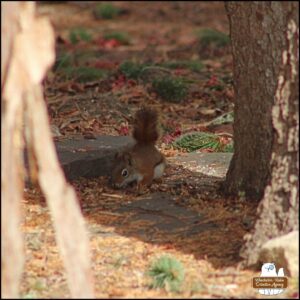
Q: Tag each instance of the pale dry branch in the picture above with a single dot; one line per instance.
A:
(29, 52)
(61, 199)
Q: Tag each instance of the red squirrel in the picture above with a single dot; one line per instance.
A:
(142, 162)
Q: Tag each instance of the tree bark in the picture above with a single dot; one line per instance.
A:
(257, 37)
(265, 50)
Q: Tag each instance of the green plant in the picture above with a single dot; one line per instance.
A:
(229, 148)
(84, 74)
(131, 69)
(63, 60)
(121, 37)
(193, 65)
(170, 89)
(79, 34)
(201, 140)
(209, 36)
(106, 11)
(167, 273)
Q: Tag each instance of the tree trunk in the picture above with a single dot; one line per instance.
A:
(265, 49)
(257, 37)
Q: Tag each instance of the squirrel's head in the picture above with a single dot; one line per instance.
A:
(123, 171)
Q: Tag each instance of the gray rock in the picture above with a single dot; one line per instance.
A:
(211, 164)
(284, 252)
(159, 211)
(89, 158)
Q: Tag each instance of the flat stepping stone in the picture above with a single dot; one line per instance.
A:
(211, 164)
(92, 158)
(159, 212)
(156, 213)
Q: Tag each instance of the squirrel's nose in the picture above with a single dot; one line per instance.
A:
(113, 184)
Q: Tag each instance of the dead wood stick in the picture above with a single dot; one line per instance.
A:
(12, 254)
(32, 47)
(68, 221)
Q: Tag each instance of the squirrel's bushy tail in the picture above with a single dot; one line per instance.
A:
(145, 129)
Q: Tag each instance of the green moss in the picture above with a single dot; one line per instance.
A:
(193, 65)
(84, 74)
(63, 60)
(121, 37)
(106, 11)
(167, 273)
(132, 70)
(208, 36)
(170, 89)
(79, 34)
(229, 148)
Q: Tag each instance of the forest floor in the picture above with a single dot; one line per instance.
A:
(105, 70)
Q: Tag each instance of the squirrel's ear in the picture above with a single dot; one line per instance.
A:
(128, 158)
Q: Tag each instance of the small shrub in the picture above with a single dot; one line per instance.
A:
(131, 69)
(63, 60)
(79, 34)
(208, 36)
(170, 89)
(106, 11)
(193, 65)
(229, 148)
(84, 74)
(121, 37)
(167, 273)
(202, 140)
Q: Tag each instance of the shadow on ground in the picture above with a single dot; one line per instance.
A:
(190, 217)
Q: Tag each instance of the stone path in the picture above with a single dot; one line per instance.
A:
(158, 212)
(211, 164)
(92, 158)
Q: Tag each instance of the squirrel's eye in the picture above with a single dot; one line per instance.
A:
(124, 173)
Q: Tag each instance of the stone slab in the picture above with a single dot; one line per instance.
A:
(89, 157)
(92, 158)
(211, 164)
(159, 211)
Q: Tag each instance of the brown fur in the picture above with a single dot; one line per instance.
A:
(145, 126)
(141, 159)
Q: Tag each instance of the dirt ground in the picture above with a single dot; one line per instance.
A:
(157, 33)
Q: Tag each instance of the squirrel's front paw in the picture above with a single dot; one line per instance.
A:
(141, 189)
